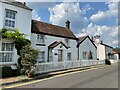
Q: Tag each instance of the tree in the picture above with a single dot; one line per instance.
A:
(90, 55)
(28, 57)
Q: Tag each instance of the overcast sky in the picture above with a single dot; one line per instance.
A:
(86, 18)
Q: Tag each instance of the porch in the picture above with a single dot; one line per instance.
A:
(52, 66)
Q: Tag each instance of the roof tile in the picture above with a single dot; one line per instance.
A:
(49, 29)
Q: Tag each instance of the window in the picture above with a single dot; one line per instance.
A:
(10, 18)
(69, 56)
(51, 55)
(7, 55)
(67, 41)
(84, 55)
(41, 57)
(7, 47)
(40, 38)
(60, 55)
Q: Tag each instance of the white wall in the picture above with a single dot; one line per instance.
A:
(87, 46)
(116, 56)
(49, 40)
(101, 52)
(23, 18)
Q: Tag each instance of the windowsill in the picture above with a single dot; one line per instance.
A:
(7, 63)
(10, 28)
(39, 44)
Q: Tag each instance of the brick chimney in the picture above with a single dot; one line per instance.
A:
(67, 24)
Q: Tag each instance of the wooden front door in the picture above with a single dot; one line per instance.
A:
(59, 55)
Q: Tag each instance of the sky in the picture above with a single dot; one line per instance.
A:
(86, 18)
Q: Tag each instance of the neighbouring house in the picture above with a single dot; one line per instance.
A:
(13, 15)
(116, 54)
(56, 43)
(103, 51)
(87, 50)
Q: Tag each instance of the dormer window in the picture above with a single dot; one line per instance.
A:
(10, 17)
(40, 39)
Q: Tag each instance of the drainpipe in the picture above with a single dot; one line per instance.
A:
(48, 55)
(78, 53)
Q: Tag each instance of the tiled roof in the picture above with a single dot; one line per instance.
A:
(56, 43)
(49, 29)
(16, 3)
(106, 45)
(115, 51)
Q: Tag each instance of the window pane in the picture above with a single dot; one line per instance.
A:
(41, 57)
(84, 55)
(40, 38)
(9, 23)
(10, 18)
(13, 24)
(6, 57)
(7, 14)
(6, 22)
(69, 56)
(10, 15)
(13, 15)
(7, 46)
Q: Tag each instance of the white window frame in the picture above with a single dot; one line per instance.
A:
(84, 55)
(40, 39)
(50, 55)
(11, 47)
(10, 18)
(7, 56)
(41, 57)
(69, 56)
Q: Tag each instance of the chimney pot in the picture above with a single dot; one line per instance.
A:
(67, 24)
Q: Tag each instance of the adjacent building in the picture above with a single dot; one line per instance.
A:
(13, 15)
(87, 50)
(56, 43)
(103, 51)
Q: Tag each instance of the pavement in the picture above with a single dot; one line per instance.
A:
(23, 78)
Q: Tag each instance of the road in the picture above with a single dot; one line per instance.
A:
(106, 77)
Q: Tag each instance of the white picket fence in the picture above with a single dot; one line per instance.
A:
(50, 66)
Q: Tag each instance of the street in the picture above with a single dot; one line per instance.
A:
(106, 77)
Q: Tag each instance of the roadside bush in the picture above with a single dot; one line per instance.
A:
(6, 71)
(28, 59)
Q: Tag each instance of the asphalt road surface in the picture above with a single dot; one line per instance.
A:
(106, 77)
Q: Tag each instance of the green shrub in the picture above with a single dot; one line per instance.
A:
(28, 58)
(6, 71)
